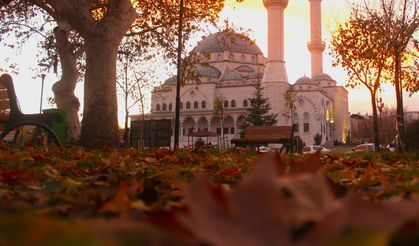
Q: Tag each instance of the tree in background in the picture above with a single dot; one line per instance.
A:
(412, 133)
(318, 139)
(357, 45)
(398, 22)
(102, 25)
(258, 113)
(220, 113)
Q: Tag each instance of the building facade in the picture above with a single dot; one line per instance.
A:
(234, 65)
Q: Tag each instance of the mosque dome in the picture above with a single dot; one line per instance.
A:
(304, 80)
(171, 81)
(322, 76)
(227, 41)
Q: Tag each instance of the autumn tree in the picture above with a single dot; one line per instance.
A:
(357, 46)
(258, 113)
(102, 25)
(398, 22)
(59, 48)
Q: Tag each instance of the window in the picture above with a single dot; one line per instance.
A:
(243, 58)
(164, 107)
(306, 127)
(203, 104)
(225, 130)
(245, 103)
(225, 104)
(195, 105)
(219, 57)
(295, 125)
(296, 118)
(233, 103)
(188, 105)
(306, 118)
(170, 107)
(231, 57)
(232, 130)
(218, 131)
(296, 122)
(158, 107)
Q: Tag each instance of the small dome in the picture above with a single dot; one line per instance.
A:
(304, 80)
(208, 71)
(171, 81)
(232, 75)
(227, 41)
(322, 76)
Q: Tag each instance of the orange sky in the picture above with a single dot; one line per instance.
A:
(252, 14)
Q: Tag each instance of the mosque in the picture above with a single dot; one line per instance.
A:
(236, 66)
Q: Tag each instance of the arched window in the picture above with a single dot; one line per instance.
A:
(188, 105)
(170, 107)
(195, 105)
(233, 103)
(253, 59)
(296, 117)
(243, 58)
(180, 105)
(306, 118)
(219, 57)
(158, 107)
(203, 104)
(164, 107)
(231, 57)
(245, 103)
(225, 104)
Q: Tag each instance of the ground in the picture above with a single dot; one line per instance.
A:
(211, 196)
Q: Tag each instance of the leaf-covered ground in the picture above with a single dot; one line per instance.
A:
(72, 196)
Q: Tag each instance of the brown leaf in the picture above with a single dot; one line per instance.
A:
(253, 217)
(312, 164)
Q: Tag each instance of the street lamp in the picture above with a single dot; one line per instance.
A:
(42, 91)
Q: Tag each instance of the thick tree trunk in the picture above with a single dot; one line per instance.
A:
(64, 88)
(375, 121)
(100, 121)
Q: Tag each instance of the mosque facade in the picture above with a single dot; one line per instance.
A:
(234, 65)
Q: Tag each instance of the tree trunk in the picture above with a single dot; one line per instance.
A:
(375, 121)
(100, 120)
(399, 99)
(64, 88)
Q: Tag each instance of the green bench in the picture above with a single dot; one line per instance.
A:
(11, 118)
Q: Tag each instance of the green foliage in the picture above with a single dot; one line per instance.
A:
(318, 139)
(258, 113)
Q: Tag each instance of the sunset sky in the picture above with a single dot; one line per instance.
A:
(250, 14)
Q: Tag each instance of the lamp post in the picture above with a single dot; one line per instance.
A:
(179, 60)
(42, 91)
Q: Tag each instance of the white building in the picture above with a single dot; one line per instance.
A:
(236, 64)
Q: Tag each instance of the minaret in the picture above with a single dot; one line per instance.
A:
(275, 79)
(316, 45)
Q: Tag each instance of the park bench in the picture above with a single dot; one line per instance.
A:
(259, 135)
(11, 118)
